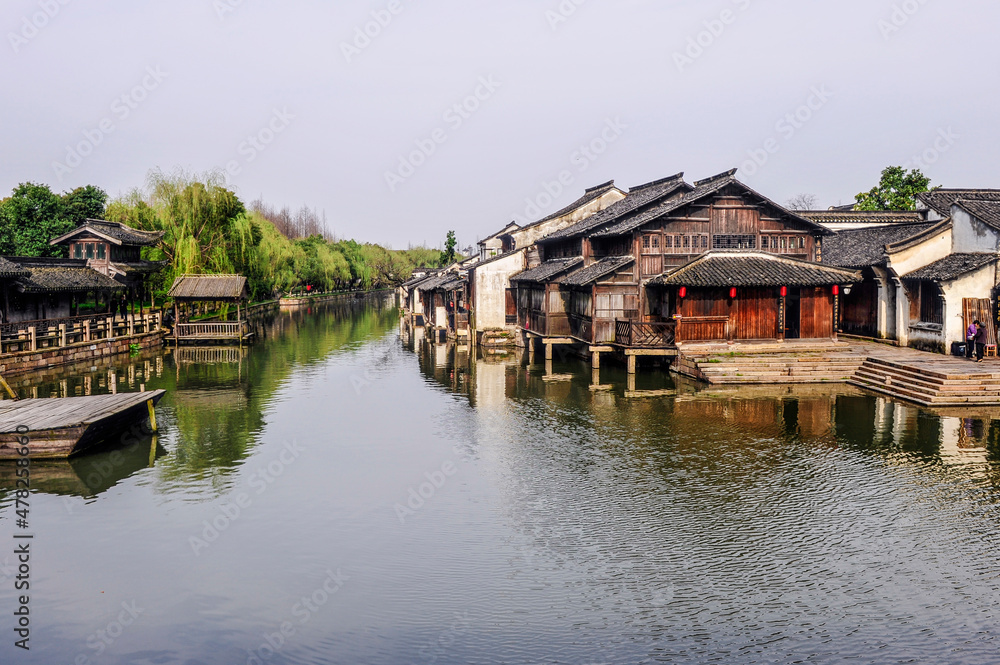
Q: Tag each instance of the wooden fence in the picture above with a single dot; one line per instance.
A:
(649, 335)
(55, 333)
(213, 330)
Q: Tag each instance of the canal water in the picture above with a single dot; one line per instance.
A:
(345, 492)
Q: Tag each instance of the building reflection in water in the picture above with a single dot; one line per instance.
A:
(835, 415)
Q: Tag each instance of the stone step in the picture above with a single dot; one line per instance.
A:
(912, 374)
(914, 368)
(929, 398)
(879, 377)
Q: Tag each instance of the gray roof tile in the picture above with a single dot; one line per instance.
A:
(952, 266)
(743, 268)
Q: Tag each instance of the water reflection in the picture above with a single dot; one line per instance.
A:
(216, 402)
(589, 519)
(965, 441)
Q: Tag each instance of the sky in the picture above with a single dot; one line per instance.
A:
(404, 119)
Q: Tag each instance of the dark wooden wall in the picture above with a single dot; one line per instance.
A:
(859, 309)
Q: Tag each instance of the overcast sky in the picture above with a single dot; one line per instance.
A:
(300, 107)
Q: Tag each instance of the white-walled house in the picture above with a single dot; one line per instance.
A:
(513, 249)
(917, 277)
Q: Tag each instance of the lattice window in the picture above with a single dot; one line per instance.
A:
(734, 242)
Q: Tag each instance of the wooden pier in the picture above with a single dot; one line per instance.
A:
(66, 426)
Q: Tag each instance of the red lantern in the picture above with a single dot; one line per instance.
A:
(836, 289)
(309, 287)
(784, 291)
(683, 292)
(732, 292)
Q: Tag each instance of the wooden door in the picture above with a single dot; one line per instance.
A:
(816, 313)
(755, 314)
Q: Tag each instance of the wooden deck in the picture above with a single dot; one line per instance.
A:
(65, 426)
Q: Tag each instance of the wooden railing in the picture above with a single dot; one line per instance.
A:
(213, 329)
(702, 328)
(648, 335)
(56, 333)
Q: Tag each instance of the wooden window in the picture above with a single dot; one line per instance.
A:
(100, 251)
(77, 250)
(687, 242)
(651, 244)
(668, 242)
(802, 243)
(678, 241)
(734, 242)
(704, 242)
(90, 250)
(931, 309)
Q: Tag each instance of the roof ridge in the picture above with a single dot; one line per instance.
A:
(607, 185)
(718, 176)
(654, 183)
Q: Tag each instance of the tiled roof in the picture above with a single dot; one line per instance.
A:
(941, 200)
(632, 222)
(139, 267)
(983, 210)
(452, 282)
(704, 188)
(857, 248)
(637, 198)
(209, 287)
(863, 216)
(595, 271)
(434, 281)
(952, 266)
(56, 275)
(10, 269)
(743, 268)
(547, 270)
(588, 195)
(115, 232)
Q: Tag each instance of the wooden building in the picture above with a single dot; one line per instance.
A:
(54, 288)
(115, 250)
(678, 262)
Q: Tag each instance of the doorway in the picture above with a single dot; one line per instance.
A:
(793, 314)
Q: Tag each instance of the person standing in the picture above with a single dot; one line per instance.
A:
(980, 341)
(970, 340)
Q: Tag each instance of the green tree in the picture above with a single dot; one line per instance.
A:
(897, 190)
(29, 218)
(448, 255)
(84, 203)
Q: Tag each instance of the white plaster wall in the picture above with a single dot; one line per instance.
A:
(971, 235)
(531, 233)
(923, 254)
(978, 284)
(491, 283)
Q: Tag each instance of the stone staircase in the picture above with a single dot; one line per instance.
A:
(773, 368)
(928, 386)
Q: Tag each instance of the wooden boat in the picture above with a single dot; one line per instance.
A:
(60, 427)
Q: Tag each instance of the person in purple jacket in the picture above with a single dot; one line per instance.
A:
(970, 339)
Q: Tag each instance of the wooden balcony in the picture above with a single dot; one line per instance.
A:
(645, 335)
